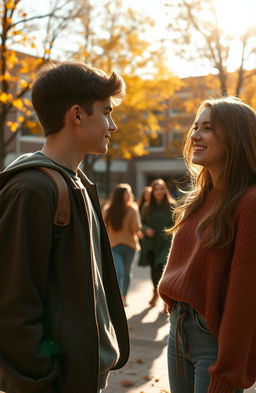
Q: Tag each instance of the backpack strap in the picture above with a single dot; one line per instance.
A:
(63, 207)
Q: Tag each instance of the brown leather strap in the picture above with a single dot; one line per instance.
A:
(63, 207)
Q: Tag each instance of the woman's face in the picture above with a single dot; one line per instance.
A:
(147, 193)
(159, 192)
(209, 147)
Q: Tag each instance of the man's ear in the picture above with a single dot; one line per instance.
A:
(75, 112)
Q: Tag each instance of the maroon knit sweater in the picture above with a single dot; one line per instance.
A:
(221, 285)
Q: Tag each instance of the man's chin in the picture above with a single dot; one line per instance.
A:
(99, 153)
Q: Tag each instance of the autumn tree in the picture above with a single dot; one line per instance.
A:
(116, 37)
(198, 37)
(17, 69)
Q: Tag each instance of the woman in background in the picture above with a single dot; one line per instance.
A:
(144, 198)
(123, 223)
(155, 244)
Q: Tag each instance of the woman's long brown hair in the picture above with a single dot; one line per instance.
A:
(237, 120)
(117, 208)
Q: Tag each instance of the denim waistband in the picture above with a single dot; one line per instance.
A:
(185, 311)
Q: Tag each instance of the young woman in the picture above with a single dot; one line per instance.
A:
(210, 279)
(123, 223)
(145, 197)
(156, 217)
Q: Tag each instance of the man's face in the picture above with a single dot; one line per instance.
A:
(95, 130)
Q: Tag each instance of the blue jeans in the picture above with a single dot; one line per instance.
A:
(123, 257)
(196, 350)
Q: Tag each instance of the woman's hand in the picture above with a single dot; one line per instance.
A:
(150, 232)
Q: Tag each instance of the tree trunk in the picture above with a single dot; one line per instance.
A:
(2, 147)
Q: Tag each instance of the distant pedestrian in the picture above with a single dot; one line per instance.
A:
(145, 197)
(123, 223)
(155, 244)
(210, 279)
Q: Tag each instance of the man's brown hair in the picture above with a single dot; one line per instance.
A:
(59, 86)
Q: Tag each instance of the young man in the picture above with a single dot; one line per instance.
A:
(63, 325)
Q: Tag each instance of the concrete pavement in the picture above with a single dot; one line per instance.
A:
(146, 370)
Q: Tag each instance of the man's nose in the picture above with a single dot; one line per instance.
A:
(112, 125)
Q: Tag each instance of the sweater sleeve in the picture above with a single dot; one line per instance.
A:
(135, 223)
(236, 363)
(25, 239)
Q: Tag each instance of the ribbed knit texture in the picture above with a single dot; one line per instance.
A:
(221, 285)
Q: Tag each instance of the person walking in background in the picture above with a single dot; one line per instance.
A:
(123, 223)
(155, 244)
(210, 279)
(144, 198)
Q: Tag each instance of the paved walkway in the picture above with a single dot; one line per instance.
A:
(146, 370)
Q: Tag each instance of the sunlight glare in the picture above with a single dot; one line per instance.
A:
(235, 17)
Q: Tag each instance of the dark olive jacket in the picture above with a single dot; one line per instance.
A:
(49, 340)
(159, 219)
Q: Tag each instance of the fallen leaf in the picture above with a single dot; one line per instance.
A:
(127, 383)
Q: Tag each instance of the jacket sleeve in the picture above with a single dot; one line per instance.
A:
(236, 363)
(144, 220)
(25, 241)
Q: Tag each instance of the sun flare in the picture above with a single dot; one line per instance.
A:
(236, 16)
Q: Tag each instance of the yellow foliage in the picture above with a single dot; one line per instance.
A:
(18, 103)
(23, 84)
(21, 119)
(7, 77)
(13, 125)
(139, 149)
(10, 5)
(11, 58)
(27, 102)
(5, 98)
(16, 32)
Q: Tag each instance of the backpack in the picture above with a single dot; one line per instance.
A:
(63, 207)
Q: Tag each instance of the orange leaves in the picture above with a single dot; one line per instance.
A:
(18, 103)
(13, 125)
(21, 119)
(5, 98)
(10, 5)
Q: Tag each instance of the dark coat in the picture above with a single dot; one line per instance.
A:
(50, 293)
(158, 219)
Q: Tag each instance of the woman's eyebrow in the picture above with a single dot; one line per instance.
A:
(204, 122)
